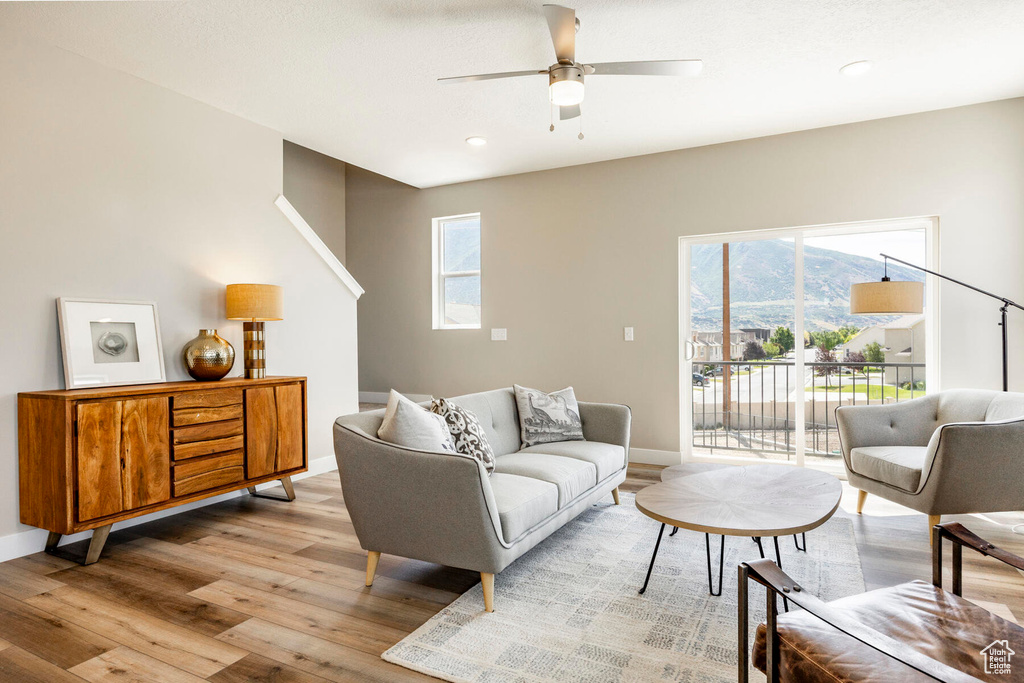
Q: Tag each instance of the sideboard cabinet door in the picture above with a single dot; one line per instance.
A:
(123, 456)
(274, 433)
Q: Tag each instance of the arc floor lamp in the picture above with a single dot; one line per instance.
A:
(894, 296)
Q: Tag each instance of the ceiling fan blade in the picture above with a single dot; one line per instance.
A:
(666, 67)
(570, 112)
(562, 24)
(487, 77)
(566, 113)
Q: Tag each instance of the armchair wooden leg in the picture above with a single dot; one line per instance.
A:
(861, 497)
(487, 581)
(615, 495)
(372, 557)
(932, 521)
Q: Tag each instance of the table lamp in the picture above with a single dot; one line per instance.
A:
(254, 304)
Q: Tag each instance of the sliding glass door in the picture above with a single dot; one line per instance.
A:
(769, 349)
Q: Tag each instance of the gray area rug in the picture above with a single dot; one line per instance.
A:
(568, 610)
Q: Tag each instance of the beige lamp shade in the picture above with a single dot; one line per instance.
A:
(887, 296)
(254, 302)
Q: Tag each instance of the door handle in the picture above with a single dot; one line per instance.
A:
(691, 350)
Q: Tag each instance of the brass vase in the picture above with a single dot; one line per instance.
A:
(209, 356)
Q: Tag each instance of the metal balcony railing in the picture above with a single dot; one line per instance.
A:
(760, 416)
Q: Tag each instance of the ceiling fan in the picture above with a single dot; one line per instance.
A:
(565, 77)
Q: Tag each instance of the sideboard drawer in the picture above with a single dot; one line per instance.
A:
(194, 416)
(208, 480)
(186, 469)
(183, 451)
(213, 398)
(208, 430)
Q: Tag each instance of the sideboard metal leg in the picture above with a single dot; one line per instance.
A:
(653, 556)
(96, 543)
(289, 491)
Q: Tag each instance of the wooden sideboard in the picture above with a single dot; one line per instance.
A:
(92, 457)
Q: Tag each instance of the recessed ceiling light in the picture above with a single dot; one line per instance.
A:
(476, 141)
(854, 69)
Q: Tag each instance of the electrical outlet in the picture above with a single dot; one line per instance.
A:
(628, 333)
(499, 334)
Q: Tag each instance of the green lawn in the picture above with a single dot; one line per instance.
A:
(874, 391)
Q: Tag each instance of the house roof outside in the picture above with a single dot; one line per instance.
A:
(904, 322)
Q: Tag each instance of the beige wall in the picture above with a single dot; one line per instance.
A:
(113, 188)
(572, 255)
(314, 183)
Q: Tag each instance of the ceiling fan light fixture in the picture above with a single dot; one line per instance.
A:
(566, 93)
(566, 85)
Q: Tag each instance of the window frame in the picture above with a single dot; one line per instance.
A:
(439, 276)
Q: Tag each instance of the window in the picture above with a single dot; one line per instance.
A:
(456, 269)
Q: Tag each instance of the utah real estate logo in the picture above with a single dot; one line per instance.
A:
(997, 657)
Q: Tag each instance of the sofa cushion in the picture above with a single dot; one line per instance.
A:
(545, 418)
(522, 502)
(496, 411)
(898, 466)
(572, 477)
(606, 457)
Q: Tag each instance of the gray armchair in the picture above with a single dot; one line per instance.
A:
(953, 452)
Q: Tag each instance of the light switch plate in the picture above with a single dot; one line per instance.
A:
(499, 334)
(628, 333)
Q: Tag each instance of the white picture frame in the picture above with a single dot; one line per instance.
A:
(110, 343)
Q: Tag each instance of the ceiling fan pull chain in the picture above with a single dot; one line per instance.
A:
(551, 115)
(580, 117)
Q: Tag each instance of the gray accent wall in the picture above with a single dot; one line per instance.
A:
(571, 256)
(314, 183)
(115, 188)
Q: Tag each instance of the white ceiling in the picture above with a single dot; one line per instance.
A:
(357, 79)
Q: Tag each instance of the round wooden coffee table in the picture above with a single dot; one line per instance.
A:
(756, 501)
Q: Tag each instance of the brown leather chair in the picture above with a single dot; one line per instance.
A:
(908, 633)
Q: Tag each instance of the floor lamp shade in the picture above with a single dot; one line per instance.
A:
(254, 304)
(887, 296)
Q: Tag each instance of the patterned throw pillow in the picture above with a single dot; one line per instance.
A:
(546, 418)
(466, 431)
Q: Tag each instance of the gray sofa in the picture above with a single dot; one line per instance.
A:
(952, 452)
(444, 508)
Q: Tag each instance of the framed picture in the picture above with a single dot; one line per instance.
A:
(106, 343)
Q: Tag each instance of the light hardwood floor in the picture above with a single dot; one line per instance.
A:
(254, 589)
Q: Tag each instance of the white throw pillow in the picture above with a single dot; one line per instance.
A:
(413, 426)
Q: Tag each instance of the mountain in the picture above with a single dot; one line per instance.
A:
(761, 285)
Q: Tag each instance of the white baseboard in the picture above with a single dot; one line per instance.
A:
(32, 541)
(382, 397)
(647, 456)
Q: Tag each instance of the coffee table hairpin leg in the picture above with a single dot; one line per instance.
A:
(721, 564)
(803, 537)
(651, 567)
